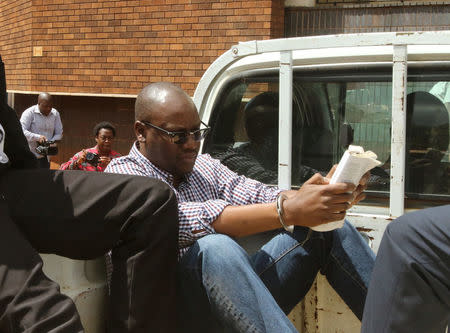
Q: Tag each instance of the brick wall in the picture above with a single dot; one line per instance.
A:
(116, 47)
(15, 41)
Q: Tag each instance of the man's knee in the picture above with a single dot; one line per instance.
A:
(221, 249)
(411, 227)
(404, 228)
(416, 234)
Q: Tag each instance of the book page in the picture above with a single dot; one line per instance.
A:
(353, 165)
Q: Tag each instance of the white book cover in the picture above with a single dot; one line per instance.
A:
(353, 165)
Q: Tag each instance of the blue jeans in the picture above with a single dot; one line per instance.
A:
(223, 289)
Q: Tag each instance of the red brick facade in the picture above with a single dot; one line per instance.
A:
(16, 42)
(116, 47)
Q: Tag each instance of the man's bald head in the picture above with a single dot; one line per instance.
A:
(45, 103)
(163, 109)
(44, 97)
(156, 95)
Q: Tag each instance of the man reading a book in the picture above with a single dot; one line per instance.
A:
(221, 286)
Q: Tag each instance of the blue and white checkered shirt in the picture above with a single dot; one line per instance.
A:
(202, 196)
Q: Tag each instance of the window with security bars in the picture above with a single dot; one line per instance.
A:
(330, 111)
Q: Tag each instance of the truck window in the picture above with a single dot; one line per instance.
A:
(331, 111)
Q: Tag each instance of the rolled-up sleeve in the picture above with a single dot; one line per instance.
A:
(230, 188)
(196, 218)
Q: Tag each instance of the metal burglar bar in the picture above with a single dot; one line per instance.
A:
(285, 121)
(398, 149)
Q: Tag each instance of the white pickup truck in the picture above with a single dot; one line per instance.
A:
(333, 90)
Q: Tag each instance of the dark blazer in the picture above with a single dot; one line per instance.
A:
(16, 145)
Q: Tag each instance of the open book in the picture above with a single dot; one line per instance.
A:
(353, 165)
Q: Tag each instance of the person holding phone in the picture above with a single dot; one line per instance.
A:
(96, 158)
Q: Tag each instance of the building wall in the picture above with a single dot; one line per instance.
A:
(116, 47)
(16, 41)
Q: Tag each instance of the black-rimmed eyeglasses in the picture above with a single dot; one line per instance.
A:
(180, 138)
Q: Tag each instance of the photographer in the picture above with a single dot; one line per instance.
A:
(98, 157)
(41, 123)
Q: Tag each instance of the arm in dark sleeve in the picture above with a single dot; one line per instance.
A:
(16, 146)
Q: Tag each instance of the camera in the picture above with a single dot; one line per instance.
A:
(45, 148)
(92, 158)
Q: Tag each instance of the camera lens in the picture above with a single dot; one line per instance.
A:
(92, 158)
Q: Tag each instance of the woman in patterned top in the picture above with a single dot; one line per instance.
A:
(98, 157)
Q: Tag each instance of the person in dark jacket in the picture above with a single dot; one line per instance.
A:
(81, 215)
(409, 288)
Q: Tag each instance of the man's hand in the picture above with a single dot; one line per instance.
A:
(104, 161)
(42, 139)
(81, 158)
(362, 186)
(318, 202)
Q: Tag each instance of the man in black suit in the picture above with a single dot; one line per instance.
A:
(81, 215)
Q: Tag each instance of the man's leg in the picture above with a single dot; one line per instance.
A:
(43, 163)
(288, 265)
(410, 286)
(29, 301)
(82, 215)
(218, 283)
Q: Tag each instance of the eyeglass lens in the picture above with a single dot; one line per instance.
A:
(181, 138)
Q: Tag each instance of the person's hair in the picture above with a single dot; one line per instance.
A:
(425, 112)
(264, 99)
(261, 114)
(105, 125)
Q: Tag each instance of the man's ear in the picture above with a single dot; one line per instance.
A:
(139, 130)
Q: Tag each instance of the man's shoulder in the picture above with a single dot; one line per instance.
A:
(208, 160)
(127, 164)
(205, 158)
(125, 159)
(208, 165)
(29, 110)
